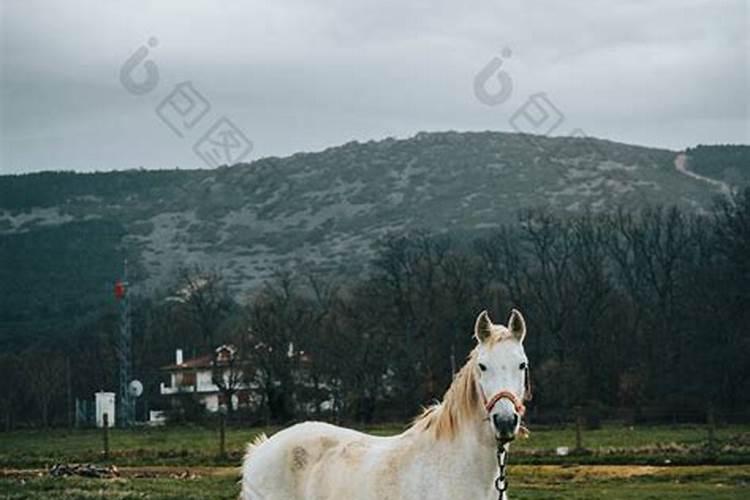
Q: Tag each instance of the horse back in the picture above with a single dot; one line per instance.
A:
(312, 460)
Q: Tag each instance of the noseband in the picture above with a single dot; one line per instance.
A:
(515, 401)
(518, 405)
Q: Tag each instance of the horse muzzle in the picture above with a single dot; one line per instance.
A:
(505, 427)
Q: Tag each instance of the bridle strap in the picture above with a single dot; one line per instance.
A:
(515, 400)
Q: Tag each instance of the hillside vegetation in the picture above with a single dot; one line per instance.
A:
(728, 163)
(63, 236)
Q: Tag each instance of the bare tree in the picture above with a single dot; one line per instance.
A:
(45, 374)
(206, 300)
(276, 320)
(547, 275)
(408, 273)
(11, 384)
(227, 373)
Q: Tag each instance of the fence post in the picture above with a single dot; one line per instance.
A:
(69, 391)
(105, 435)
(579, 429)
(222, 436)
(711, 424)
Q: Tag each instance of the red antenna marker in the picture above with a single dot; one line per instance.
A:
(119, 290)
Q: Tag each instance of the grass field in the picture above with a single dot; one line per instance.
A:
(612, 444)
(154, 460)
(528, 482)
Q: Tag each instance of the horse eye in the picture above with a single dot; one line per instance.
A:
(522, 366)
(482, 367)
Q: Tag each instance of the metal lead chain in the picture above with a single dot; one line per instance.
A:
(501, 483)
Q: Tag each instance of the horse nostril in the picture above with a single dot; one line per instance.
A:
(497, 421)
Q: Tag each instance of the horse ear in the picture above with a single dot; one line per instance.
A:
(483, 327)
(517, 325)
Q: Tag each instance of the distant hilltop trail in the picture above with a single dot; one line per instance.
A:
(681, 162)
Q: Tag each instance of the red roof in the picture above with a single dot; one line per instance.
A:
(199, 362)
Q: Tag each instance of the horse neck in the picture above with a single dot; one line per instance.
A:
(478, 445)
(457, 434)
(459, 430)
(469, 455)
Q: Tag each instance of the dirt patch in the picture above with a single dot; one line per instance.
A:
(155, 471)
(576, 472)
(586, 472)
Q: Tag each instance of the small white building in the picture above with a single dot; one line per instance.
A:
(105, 405)
(196, 376)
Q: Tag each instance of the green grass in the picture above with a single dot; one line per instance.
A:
(657, 445)
(528, 482)
(199, 445)
(155, 488)
(626, 436)
(626, 482)
(186, 445)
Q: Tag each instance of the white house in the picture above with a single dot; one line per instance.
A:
(196, 376)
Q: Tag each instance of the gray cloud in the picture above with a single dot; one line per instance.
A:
(298, 75)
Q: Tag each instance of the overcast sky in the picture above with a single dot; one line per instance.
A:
(304, 75)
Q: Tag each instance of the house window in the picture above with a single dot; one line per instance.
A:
(186, 379)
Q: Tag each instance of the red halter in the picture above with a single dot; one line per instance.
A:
(517, 404)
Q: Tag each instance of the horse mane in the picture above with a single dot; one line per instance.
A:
(461, 402)
(255, 444)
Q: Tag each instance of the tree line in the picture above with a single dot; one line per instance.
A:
(639, 313)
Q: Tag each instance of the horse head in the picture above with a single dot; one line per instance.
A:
(502, 372)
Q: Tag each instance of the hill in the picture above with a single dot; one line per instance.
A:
(63, 235)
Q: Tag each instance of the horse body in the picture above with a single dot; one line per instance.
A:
(447, 454)
(318, 461)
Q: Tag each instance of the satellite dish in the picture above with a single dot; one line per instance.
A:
(135, 388)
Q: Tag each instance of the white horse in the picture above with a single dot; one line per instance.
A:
(449, 452)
